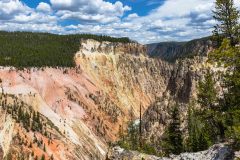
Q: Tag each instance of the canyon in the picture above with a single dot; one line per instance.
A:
(83, 108)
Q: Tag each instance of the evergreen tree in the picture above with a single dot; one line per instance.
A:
(140, 127)
(133, 132)
(202, 142)
(43, 157)
(51, 158)
(227, 15)
(211, 111)
(174, 141)
(44, 147)
(207, 95)
(197, 132)
(133, 140)
(227, 55)
(30, 145)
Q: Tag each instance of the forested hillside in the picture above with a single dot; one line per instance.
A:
(26, 49)
(171, 51)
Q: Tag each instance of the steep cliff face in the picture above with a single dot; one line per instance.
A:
(184, 77)
(181, 90)
(129, 79)
(171, 51)
(182, 84)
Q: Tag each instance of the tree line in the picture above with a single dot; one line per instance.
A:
(26, 49)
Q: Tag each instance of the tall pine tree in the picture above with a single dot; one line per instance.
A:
(207, 95)
(173, 143)
(227, 15)
(228, 56)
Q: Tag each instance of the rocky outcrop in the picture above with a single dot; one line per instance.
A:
(6, 132)
(90, 46)
(216, 152)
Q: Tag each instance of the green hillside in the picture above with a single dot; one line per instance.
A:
(26, 49)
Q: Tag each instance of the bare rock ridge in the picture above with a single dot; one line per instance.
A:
(92, 46)
(81, 109)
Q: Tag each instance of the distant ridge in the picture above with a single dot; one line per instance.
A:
(170, 51)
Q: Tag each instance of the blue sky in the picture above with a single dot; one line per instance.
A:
(142, 7)
(146, 21)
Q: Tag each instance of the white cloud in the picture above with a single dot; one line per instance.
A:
(15, 11)
(9, 8)
(15, 16)
(44, 27)
(44, 7)
(90, 10)
(62, 4)
(86, 17)
(131, 16)
(34, 17)
(180, 8)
